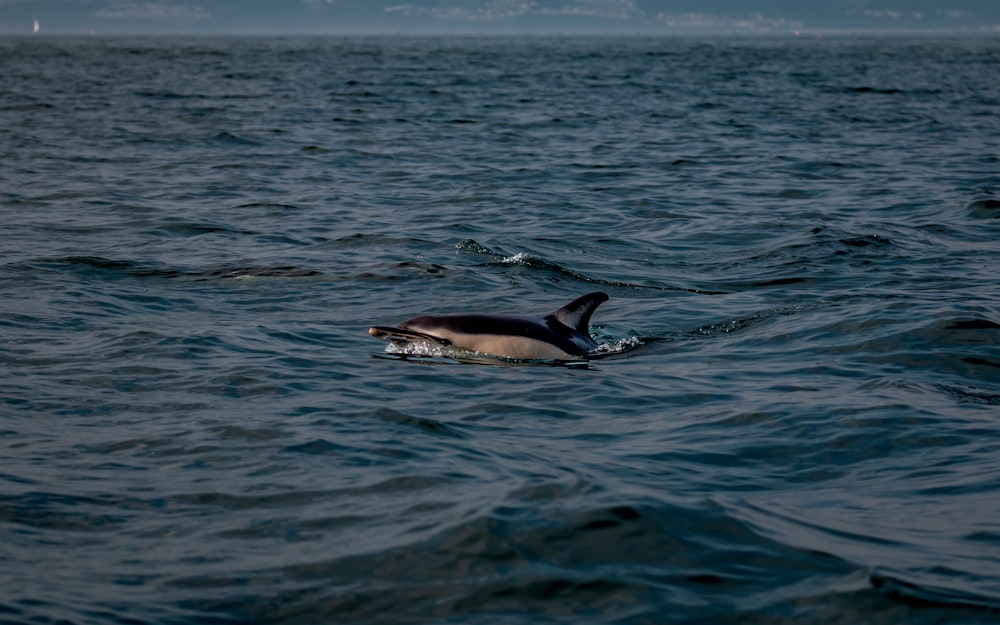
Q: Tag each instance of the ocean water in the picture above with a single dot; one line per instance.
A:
(797, 421)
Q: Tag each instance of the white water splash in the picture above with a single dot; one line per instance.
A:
(517, 259)
(619, 346)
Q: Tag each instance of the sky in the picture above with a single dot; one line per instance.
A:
(495, 16)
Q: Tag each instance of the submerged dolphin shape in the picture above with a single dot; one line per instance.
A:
(560, 335)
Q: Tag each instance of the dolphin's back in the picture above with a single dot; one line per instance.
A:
(562, 334)
(516, 337)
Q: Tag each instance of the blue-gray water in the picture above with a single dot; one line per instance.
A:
(802, 234)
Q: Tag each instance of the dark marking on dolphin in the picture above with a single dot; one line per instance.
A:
(563, 334)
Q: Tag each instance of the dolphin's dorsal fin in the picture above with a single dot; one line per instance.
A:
(576, 314)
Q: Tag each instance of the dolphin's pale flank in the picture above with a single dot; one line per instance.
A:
(561, 335)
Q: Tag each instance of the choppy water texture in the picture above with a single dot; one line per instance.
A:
(799, 237)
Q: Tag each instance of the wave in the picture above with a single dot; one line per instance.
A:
(882, 551)
(551, 268)
(109, 267)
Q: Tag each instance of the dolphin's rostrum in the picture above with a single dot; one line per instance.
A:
(561, 335)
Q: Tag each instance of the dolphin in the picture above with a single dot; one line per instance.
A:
(563, 334)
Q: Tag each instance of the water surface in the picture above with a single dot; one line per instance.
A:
(799, 238)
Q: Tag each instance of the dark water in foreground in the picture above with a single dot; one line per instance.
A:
(799, 422)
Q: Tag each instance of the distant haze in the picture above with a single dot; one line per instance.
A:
(495, 16)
